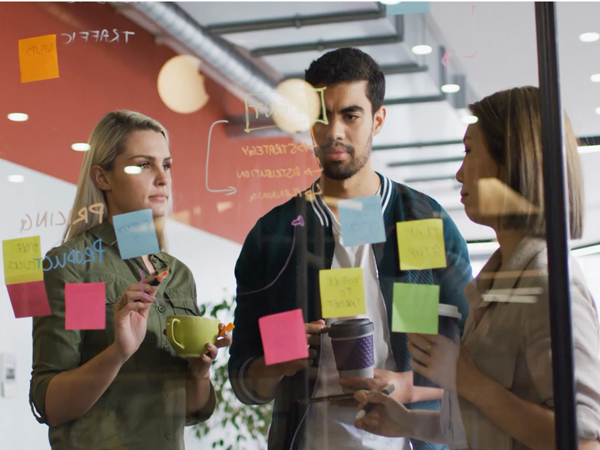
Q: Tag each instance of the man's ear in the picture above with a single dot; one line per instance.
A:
(99, 178)
(378, 120)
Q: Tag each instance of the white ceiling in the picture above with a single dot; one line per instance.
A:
(503, 38)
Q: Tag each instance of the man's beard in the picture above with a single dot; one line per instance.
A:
(342, 170)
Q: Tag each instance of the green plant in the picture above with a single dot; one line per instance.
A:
(233, 425)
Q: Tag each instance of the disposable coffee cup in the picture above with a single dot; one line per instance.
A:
(352, 342)
(447, 326)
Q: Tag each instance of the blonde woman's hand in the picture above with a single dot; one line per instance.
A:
(131, 317)
(200, 366)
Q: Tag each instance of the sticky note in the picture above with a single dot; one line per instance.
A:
(136, 234)
(283, 337)
(342, 292)
(29, 299)
(85, 306)
(415, 308)
(421, 244)
(38, 58)
(407, 8)
(362, 221)
(20, 265)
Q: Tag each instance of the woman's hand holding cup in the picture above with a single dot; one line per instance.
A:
(131, 316)
(200, 365)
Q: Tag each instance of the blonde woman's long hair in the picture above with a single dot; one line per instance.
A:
(106, 142)
(512, 128)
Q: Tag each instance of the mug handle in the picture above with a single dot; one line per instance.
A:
(173, 334)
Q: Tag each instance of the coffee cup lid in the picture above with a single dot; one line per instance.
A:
(350, 328)
(449, 311)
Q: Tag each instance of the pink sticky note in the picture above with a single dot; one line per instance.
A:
(29, 299)
(283, 337)
(85, 306)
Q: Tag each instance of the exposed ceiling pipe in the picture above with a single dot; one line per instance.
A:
(218, 54)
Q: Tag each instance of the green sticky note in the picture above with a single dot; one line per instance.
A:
(342, 292)
(415, 308)
(421, 244)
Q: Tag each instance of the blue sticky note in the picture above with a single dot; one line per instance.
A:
(407, 8)
(136, 234)
(362, 221)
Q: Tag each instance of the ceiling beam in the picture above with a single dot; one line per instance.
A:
(320, 46)
(395, 69)
(421, 162)
(298, 21)
(416, 145)
(411, 100)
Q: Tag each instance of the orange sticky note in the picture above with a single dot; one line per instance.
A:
(38, 58)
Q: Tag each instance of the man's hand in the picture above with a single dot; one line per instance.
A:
(402, 382)
(264, 379)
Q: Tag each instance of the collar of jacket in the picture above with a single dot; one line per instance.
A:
(320, 209)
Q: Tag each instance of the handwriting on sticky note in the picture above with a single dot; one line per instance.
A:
(283, 337)
(363, 224)
(29, 299)
(342, 292)
(415, 308)
(421, 244)
(85, 306)
(38, 58)
(20, 265)
(136, 234)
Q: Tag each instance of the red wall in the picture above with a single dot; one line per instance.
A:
(97, 77)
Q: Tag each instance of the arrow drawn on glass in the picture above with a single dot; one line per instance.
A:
(446, 58)
(231, 190)
(297, 222)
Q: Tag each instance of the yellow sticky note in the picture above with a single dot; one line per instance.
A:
(20, 265)
(421, 244)
(342, 292)
(38, 58)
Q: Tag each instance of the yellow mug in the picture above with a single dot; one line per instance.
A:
(188, 335)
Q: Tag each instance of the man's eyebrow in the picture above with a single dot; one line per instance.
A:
(347, 109)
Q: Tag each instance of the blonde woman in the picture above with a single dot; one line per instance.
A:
(122, 387)
(498, 383)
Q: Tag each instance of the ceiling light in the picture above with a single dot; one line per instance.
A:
(469, 119)
(589, 149)
(18, 117)
(450, 88)
(16, 178)
(595, 78)
(589, 37)
(390, 2)
(133, 170)
(422, 49)
(597, 110)
(80, 147)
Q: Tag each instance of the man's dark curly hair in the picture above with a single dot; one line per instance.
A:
(346, 65)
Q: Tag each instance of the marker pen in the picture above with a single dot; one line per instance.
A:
(371, 406)
(158, 278)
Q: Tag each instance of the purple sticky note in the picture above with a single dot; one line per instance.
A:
(85, 306)
(283, 337)
(29, 299)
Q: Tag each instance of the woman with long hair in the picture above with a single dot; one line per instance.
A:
(122, 387)
(498, 379)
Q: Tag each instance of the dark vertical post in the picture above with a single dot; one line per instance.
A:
(556, 227)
